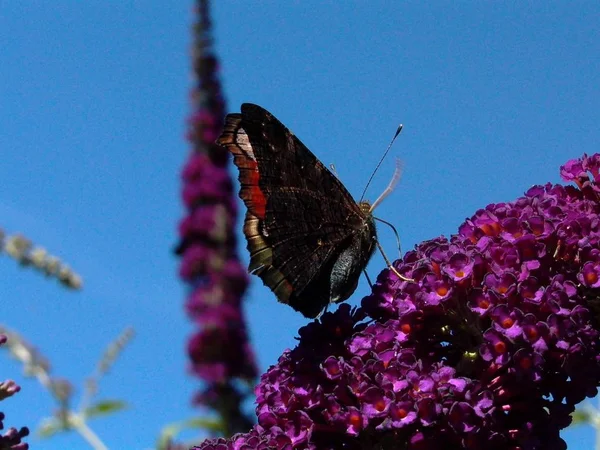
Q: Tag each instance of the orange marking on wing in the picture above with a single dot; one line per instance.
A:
(259, 202)
(235, 139)
(251, 194)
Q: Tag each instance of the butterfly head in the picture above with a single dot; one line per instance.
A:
(366, 208)
(368, 219)
(369, 231)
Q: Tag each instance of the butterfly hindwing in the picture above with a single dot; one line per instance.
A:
(301, 220)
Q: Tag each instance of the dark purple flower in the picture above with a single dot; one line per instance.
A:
(374, 402)
(401, 414)
(459, 267)
(590, 274)
(507, 321)
(491, 346)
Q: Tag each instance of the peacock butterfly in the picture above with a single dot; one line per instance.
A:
(309, 240)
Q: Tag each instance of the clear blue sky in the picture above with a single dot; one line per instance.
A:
(93, 99)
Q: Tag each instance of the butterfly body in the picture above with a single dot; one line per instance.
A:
(308, 239)
(353, 258)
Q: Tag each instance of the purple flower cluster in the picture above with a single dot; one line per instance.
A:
(11, 438)
(491, 346)
(219, 351)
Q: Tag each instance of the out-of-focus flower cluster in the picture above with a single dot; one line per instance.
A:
(22, 250)
(219, 351)
(491, 346)
(11, 438)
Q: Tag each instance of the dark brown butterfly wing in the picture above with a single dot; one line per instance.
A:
(306, 235)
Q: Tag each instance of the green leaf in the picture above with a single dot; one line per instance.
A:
(49, 427)
(169, 432)
(580, 417)
(104, 408)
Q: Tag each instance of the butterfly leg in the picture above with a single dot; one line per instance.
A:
(368, 279)
(323, 311)
(389, 264)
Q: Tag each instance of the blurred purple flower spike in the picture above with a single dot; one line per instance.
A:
(219, 351)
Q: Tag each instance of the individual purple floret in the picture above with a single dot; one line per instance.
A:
(491, 346)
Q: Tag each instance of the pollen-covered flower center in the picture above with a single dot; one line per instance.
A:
(441, 290)
(591, 277)
(490, 229)
(526, 363)
(355, 419)
(500, 347)
(400, 413)
(527, 293)
(532, 333)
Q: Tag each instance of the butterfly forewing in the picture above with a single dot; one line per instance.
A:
(308, 239)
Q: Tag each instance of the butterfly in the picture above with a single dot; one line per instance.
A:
(308, 239)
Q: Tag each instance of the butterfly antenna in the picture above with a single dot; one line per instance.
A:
(388, 190)
(380, 161)
(389, 264)
(395, 232)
